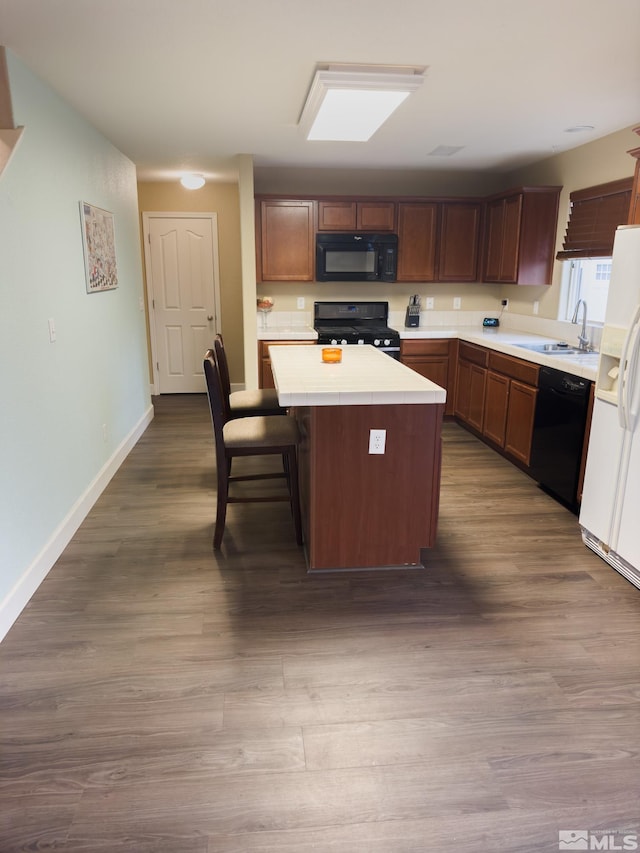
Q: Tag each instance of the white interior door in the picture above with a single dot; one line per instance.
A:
(181, 253)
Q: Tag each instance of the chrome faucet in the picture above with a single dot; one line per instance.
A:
(583, 340)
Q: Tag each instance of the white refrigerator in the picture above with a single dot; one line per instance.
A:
(610, 511)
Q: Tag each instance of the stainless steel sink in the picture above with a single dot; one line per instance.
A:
(552, 349)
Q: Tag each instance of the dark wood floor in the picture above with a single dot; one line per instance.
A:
(158, 698)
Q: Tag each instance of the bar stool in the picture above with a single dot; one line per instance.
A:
(249, 436)
(242, 404)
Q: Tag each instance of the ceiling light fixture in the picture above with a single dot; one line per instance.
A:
(348, 103)
(192, 182)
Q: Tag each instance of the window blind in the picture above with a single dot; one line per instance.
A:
(594, 215)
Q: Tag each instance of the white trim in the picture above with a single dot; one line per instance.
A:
(17, 599)
(162, 214)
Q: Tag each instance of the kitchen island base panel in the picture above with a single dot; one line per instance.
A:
(366, 511)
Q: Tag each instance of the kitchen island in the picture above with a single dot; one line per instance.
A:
(363, 510)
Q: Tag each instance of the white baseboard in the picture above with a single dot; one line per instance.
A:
(19, 596)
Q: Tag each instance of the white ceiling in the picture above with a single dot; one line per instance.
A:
(189, 84)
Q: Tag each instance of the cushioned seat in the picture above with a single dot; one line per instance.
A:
(243, 402)
(258, 435)
(261, 431)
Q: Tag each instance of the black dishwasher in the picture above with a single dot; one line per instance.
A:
(558, 433)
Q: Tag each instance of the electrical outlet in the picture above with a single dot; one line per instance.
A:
(52, 331)
(536, 307)
(105, 433)
(300, 303)
(505, 304)
(377, 440)
(457, 303)
(429, 303)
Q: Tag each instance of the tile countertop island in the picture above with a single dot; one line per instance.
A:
(363, 510)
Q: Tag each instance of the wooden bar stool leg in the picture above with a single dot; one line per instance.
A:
(221, 507)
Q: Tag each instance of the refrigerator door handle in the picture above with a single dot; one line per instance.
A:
(632, 391)
(628, 370)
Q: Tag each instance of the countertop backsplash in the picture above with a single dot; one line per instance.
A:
(280, 321)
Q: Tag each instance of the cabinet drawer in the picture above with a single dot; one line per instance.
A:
(473, 353)
(425, 347)
(516, 368)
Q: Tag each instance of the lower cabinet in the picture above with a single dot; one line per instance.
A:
(521, 414)
(432, 359)
(265, 376)
(496, 405)
(496, 396)
(471, 385)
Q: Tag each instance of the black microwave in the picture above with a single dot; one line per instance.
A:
(356, 257)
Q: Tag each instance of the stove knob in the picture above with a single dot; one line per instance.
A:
(360, 340)
(343, 342)
(387, 342)
(333, 342)
(376, 343)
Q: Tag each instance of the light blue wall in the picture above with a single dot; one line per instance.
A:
(55, 398)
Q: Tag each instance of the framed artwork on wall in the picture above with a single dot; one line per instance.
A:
(98, 239)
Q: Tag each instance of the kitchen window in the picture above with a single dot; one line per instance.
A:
(588, 279)
(594, 215)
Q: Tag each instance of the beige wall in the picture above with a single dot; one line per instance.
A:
(594, 163)
(222, 199)
(397, 182)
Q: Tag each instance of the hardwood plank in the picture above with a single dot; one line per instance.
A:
(158, 698)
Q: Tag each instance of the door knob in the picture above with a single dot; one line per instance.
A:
(209, 317)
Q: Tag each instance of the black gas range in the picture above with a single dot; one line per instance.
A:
(343, 323)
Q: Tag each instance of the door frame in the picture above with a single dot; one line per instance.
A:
(163, 214)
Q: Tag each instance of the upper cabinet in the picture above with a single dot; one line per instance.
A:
(347, 215)
(285, 240)
(520, 235)
(417, 223)
(438, 241)
(459, 241)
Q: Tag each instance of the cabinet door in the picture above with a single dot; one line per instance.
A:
(356, 216)
(375, 216)
(521, 413)
(511, 239)
(336, 215)
(477, 396)
(287, 241)
(495, 407)
(504, 217)
(463, 390)
(458, 244)
(493, 248)
(417, 241)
